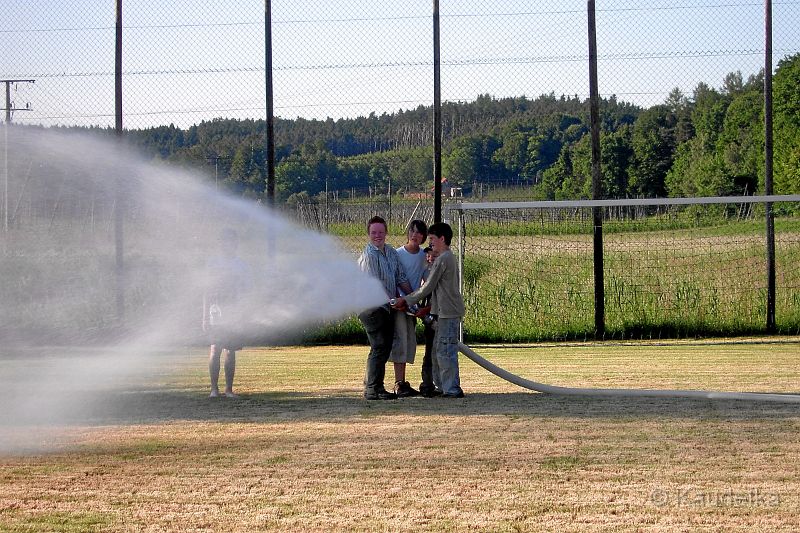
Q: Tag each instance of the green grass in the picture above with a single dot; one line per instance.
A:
(61, 522)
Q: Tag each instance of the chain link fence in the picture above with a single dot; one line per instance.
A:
(676, 268)
(681, 100)
(354, 79)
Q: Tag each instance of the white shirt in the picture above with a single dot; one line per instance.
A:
(414, 266)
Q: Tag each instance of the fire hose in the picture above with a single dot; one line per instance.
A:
(569, 391)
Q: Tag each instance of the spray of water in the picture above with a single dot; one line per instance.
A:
(87, 303)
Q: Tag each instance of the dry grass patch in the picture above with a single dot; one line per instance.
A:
(301, 451)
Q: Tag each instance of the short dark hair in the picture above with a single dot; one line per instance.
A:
(418, 225)
(427, 249)
(377, 220)
(442, 229)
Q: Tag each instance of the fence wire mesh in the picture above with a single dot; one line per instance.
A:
(669, 271)
(681, 88)
(185, 62)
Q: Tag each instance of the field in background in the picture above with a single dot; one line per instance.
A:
(301, 451)
(528, 273)
(533, 280)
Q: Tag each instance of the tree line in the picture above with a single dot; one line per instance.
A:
(705, 144)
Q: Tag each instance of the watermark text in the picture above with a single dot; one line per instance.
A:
(696, 497)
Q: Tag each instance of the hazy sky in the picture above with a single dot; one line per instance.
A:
(192, 60)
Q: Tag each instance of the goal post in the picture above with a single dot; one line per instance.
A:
(671, 267)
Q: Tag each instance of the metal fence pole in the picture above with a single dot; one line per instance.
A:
(119, 197)
(5, 174)
(768, 165)
(597, 212)
(270, 134)
(437, 119)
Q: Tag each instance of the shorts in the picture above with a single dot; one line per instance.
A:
(226, 337)
(404, 344)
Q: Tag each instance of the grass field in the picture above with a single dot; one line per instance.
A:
(301, 451)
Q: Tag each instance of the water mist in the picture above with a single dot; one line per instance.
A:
(63, 339)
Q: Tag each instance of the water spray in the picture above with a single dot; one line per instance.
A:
(628, 393)
(64, 354)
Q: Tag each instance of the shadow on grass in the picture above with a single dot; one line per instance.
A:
(158, 406)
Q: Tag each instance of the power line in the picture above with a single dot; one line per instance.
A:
(686, 54)
(397, 18)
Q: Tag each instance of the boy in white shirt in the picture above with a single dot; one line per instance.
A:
(404, 345)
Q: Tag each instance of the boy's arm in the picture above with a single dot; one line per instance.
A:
(365, 263)
(427, 287)
(369, 265)
(402, 278)
(423, 311)
(405, 286)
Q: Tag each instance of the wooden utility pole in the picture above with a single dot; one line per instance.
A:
(9, 104)
(9, 108)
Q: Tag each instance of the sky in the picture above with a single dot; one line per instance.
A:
(192, 60)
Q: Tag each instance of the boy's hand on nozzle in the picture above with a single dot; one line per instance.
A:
(399, 303)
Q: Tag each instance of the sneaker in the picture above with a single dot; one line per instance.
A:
(459, 394)
(403, 389)
(214, 394)
(432, 393)
(414, 392)
(382, 394)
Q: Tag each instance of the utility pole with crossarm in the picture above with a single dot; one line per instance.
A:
(9, 108)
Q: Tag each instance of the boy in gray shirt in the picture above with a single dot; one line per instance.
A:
(447, 306)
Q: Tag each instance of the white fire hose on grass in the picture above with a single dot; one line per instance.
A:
(568, 391)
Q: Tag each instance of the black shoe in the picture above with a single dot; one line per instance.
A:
(432, 393)
(459, 395)
(380, 395)
(403, 390)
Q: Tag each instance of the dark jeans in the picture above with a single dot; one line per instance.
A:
(379, 324)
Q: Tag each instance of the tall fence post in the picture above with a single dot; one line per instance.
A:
(768, 165)
(597, 212)
(270, 133)
(437, 119)
(119, 197)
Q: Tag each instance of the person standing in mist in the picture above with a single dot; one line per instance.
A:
(228, 279)
(447, 305)
(383, 263)
(404, 346)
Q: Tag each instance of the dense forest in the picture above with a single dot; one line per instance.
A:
(708, 143)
